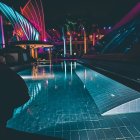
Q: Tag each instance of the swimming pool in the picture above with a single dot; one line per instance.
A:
(74, 102)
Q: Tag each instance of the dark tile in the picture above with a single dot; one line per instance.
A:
(126, 121)
(66, 135)
(81, 125)
(108, 133)
(91, 135)
(96, 124)
(137, 138)
(103, 124)
(117, 133)
(100, 134)
(83, 135)
(66, 127)
(74, 135)
(134, 131)
(59, 127)
(50, 134)
(59, 134)
(89, 125)
(125, 132)
(50, 129)
(110, 122)
(118, 122)
(73, 126)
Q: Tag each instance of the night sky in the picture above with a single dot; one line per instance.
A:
(92, 11)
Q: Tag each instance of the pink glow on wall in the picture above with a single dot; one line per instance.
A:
(33, 11)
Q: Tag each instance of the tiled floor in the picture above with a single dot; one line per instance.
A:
(69, 101)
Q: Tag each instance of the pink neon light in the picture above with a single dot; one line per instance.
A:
(44, 33)
(33, 11)
(131, 15)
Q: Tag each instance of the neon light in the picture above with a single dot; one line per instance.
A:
(17, 20)
(43, 20)
(2, 40)
(131, 15)
(39, 16)
(33, 11)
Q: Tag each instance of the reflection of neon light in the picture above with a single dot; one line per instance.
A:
(51, 76)
(65, 67)
(75, 65)
(85, 77)
(71, 69)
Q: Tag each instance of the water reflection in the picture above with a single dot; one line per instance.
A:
(39, 73)
(65, 68)
(85, 76)
(71, 69)
(61, 104)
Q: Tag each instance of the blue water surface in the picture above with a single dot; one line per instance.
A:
(70, 101)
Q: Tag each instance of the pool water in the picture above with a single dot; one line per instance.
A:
(73, 102)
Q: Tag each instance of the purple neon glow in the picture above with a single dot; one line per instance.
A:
(41, 50)
(131, 15)
(2, 32)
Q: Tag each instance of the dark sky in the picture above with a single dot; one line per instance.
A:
(93, 11)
